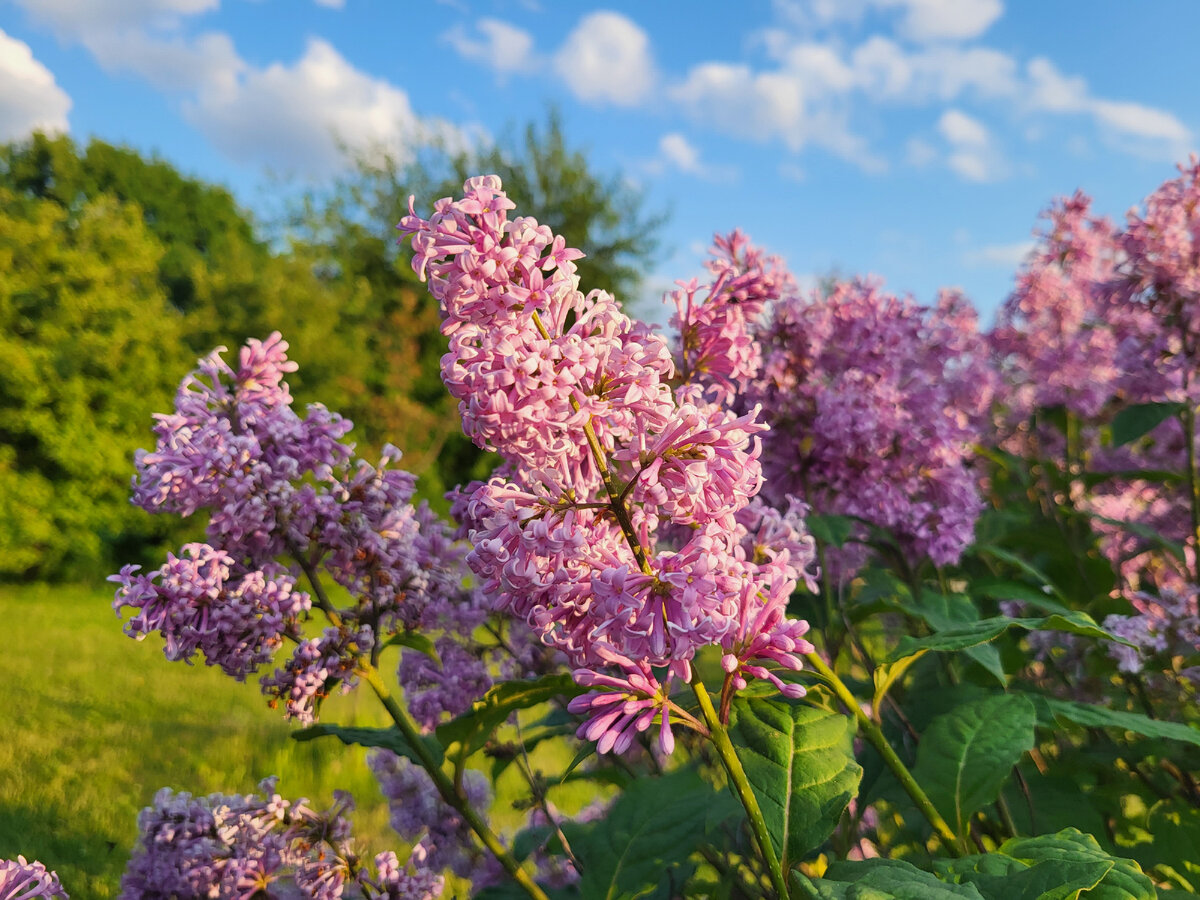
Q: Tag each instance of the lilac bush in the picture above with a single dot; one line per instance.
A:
(645, 537)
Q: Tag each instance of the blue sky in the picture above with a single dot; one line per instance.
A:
(913, 139)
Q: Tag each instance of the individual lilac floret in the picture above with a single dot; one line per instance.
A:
(239, 847)
(197, 604)
(21, 880)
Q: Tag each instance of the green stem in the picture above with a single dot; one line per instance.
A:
(872, 733)
(404, 722)
(741, 785)
(445, 786)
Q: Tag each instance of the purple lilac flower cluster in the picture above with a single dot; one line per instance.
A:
(421, 817)
(261, 846)
(1166, 626)
(605, 461)
(21, 880)
(287, 498)
(875, 404)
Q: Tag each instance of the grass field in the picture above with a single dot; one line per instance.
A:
(93, 724)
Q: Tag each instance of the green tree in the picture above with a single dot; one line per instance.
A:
(90, 345)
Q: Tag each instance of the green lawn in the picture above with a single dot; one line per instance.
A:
(92, 724)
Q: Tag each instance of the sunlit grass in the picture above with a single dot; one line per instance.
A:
(93, 724)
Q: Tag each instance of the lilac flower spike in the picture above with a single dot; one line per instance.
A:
(611, 530)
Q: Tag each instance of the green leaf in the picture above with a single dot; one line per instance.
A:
(1090, 716)
(800, 764)
(414, 640)
(1000, 877)
(1006, 589)
(887, 879)
(835, 530)
(887, 675)
(1176, 845)
(974, 633)
(472, 729)
(1140, 419)
(1016, 561)
(652, 828)
(388, 738)
(947, 611)
(966, 755)
(1124, 881)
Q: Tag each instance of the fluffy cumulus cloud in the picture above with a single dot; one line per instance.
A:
(30, 98)
(498, 45)
(607, 59)
(298, 117)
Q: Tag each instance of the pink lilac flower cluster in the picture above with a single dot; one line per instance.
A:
(875, 404)
(260, 846)
(21, 880)
(1162, 266)
(1055, 340)
(605, 462)
(715, 345)
(286, 498)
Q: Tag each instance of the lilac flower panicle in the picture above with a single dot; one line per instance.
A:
(875, 404)
(288, 496)
(578, 398)
(21, 880)
(198, 604)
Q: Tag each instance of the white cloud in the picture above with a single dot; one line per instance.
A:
(607, 59)
(30, 98)
(332, 4)
(1008, 256)
(1136, 127)
(972, 155)
(736, 100)
(171, 62)
(938, 20)
(75, 19)
(919, 20)
(502, 47)
(679, 152)
(298, 117)
(959, 128)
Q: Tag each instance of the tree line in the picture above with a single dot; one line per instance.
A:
(117, 272)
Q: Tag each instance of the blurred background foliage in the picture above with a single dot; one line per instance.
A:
(118, 271)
